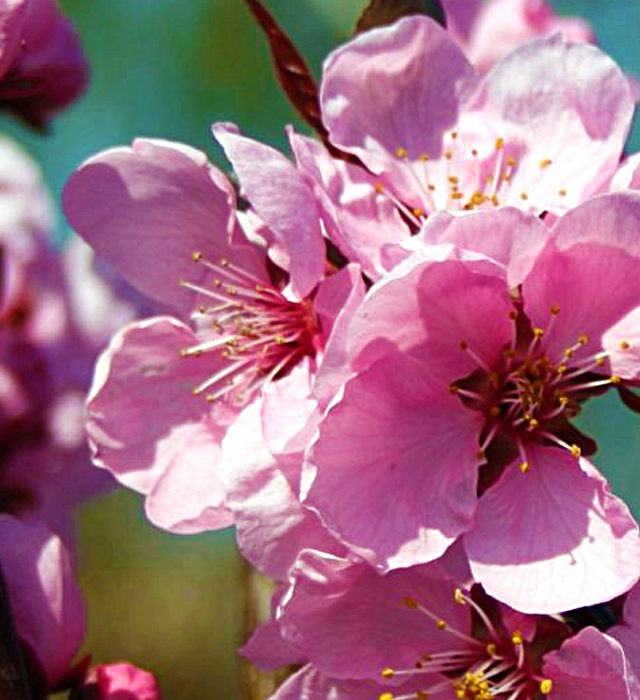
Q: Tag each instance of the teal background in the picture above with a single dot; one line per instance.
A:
(169, 68)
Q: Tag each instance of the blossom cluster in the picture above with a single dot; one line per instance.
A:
(369, 358)
(50, 336)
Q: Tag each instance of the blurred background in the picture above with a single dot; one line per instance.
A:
(169, 68)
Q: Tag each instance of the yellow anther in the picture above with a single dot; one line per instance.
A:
(494, 411)
(545, 163)
(422, 695)
(524, 467)
(538, 332)
(418, 212)
(378, 187)
(624, 345)
(448, 155)
(615, 379)
(196, 257)
(534, 423)
(454, 135)
(458, 597)
(224, 262)
(495, 201)
(453, 389)
(563, 400)
(426, 657)
(562, 193)
(453, 179)
(524, 196)
(387, 673)
(402, 152)
(457, 195)
(510, 160)
(562, 369)
(424, 157)
(491, 649)
(410, 602)
(583, 339)
(600, 361)
(517, 638)
(554, 310)
(546, 686)
(499, 143)
(477, 198)
(441, 625)
(385, 696)
(575, 451)
(568, 353)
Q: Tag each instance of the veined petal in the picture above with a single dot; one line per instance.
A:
(553, 538)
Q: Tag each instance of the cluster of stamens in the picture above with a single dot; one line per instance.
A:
(459, 179)
(494, 667)
(259, 333)
(530, 397)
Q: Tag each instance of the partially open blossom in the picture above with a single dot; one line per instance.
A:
(119, 681)
(470, 359)
(418, 633)
(247, 320)
(42, 66)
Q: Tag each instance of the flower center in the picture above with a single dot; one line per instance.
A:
(259, 333)
(530, 396)
(471, 173)
(489, 664)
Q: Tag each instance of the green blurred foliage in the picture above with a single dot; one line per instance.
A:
(168, 69)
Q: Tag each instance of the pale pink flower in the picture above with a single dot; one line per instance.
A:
(420, 632)
(541, 131)
(470, 360)
(42, 66)
(248, 322)
(488, 31)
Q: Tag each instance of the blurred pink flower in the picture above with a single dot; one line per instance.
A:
(45, 599)
(118, 681)
(42, 66)
(470, 360)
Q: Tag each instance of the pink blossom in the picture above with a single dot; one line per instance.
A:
(418, 633)
(540, 132)
(470, 360)
(42, 67)
(488, 31)
(44, 597)
(119, 681)
(246, 322)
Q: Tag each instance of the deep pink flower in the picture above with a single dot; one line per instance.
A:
(419, 633)
(470, 360)
(249, 319)
(119, 681)
(42, 66)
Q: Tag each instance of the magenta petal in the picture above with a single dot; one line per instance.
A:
(554, 538)
(45, 599)
(267, 649)
(591, 666)
(395, 87)
(283, 199)
(351, 623)
(394, 469)
(147, 209)
(309, 684)
(628, 633)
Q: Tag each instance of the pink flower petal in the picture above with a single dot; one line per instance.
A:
(283, 199)
(394, 470)
(591, 666)
(147, 209)
(628, 633)
(554, 538)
